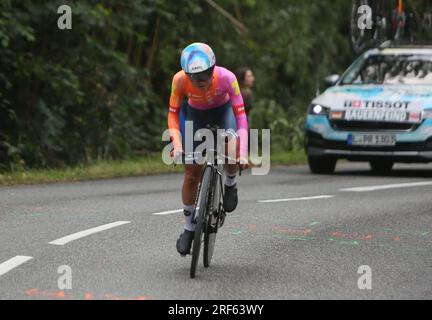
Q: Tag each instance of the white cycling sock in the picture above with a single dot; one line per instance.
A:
(230, 180)
(188, 212)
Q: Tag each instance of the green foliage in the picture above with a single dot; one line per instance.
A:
(101, 90)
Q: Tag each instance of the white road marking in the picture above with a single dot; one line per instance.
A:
(165, 213)
(388, 186)
(85, 233)
(297, 199)
(7, 266)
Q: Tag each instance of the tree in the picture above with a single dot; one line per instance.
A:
(101, 90)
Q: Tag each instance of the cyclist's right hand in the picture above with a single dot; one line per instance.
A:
(177, 153)
(243, 163)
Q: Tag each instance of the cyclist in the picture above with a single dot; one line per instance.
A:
(214, 98)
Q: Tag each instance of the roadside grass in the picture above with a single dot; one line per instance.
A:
(117, 168)
(293, 157)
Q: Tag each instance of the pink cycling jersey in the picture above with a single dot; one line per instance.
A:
(224, 88)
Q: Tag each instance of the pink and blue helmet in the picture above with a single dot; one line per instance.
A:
(197, 57)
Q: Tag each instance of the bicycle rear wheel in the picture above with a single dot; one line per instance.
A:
(203, 203)
(212, 223)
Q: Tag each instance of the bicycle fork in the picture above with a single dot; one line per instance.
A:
(217, 213)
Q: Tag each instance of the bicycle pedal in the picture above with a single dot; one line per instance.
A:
(211, 229)
(222, 219)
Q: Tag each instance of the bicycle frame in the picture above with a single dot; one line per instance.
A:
(216, 173)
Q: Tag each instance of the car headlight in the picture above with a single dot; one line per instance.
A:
(427, 114)
(318, 110)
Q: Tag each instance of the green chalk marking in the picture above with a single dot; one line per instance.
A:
(349, 242)
(300, 238)
(405, 249)
(409, 232)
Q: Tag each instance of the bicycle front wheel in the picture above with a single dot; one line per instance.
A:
(212, 223)
(203, 203)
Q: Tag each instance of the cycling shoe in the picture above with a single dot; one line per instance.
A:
(230, 199)
(184, 243)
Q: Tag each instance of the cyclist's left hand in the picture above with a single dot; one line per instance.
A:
(244, 163)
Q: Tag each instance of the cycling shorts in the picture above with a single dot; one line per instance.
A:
(222, 116)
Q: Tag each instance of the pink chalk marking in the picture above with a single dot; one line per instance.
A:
(111, 296)
(252, 227)
(28, 208)
(53, 294)
(367, 237)
(88, 296)
(337, 234)
(32, 292)
(351, 236)
(307, 231)
(292, 231)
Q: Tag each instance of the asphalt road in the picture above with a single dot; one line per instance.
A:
(309, 246)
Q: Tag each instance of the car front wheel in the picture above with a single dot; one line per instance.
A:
(381, 166)
(322, 165)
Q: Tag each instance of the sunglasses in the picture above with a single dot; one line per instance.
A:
(202, 76)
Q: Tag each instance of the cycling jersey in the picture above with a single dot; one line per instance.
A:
(224, 88)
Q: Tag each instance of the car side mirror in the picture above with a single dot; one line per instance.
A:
(331, 80)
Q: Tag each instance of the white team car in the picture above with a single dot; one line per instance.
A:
(379, 111)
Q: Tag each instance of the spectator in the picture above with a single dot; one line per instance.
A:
(246, 81)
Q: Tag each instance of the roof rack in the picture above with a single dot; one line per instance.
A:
(385, 44)
(392, 44)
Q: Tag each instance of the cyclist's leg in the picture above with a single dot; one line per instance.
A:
(189, 192)
(190, 187)
(192, 172)
(227, 121)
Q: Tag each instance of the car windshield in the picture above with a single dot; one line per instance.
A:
(390, 69)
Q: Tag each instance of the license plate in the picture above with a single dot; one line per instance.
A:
(367, 139)
(376, 115)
